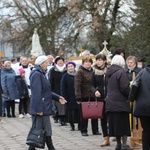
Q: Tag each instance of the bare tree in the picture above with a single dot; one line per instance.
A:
(21, 17)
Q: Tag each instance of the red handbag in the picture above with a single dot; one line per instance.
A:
(92, 109)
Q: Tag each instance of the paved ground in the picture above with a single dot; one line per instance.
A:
(13, 133)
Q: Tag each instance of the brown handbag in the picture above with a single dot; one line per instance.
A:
(92, 109)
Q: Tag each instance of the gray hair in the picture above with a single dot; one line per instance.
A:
(118, 60)
(6, 63)
(85, 52)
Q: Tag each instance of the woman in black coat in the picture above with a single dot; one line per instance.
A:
(68, 92)
(117, 104)
(55, 76)
(142, 105)
(98, 88)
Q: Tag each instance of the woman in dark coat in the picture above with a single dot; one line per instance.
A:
(9, 87)
(55, 76)
(41, 99)
(98, 88)
(116, 102)
(83, 93)
(67, 91)
(142, 105)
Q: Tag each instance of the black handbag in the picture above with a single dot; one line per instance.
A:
(36, 137)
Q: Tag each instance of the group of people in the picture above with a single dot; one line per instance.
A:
(56, 88)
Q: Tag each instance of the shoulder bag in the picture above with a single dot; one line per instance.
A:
(36, 137)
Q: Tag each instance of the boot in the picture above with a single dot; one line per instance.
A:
(105, 142)
(72, 127)
(31, 148)
(49, 143)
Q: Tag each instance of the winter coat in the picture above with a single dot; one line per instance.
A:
(117, 90)
(41, 94)
(8, 83)
(98, 82)
(67, 91)
(82, 84)
(130, 73)
(142, 105)
(55, 79)
(22, 87)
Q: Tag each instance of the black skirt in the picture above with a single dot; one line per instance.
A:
(119, 124)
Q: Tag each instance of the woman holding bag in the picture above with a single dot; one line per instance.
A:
(83, 93)
(41, 99)
(98, 88)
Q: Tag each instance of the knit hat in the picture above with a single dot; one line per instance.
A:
(58, 58)
(21, 71)
(70, 62)
(39, 60)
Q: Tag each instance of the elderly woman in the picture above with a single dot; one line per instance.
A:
(41, 99)
(9, 88)
(132, 69)
(67, 90)
(116, 102)
(55, 76)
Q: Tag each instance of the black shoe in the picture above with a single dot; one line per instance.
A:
(63, 124)
(126, 147)
(49, 143)
(13, 116)
(84, 134)
(9, 116)
(31, 148)
(118, 147)
(72, 127)
(79, 128)
(97, 133)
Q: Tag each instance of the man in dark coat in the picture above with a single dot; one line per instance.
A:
(142, 105)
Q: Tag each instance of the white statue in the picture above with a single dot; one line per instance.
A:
(36, 46)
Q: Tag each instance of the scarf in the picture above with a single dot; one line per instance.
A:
(60, 68)
(72, 73)
(99, 70)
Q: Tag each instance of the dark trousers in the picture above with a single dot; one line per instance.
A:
(10, 104)
(145, 122)
(84, 124)
(23, 104)
(104, 125)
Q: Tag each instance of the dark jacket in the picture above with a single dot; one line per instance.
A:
(82, 84)
(130, 73)
(55, 79)
(22, 87)
(41, 94)
(8, 83)
(117, 90)
(98, 82)
(68, 92)
(142, 105)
